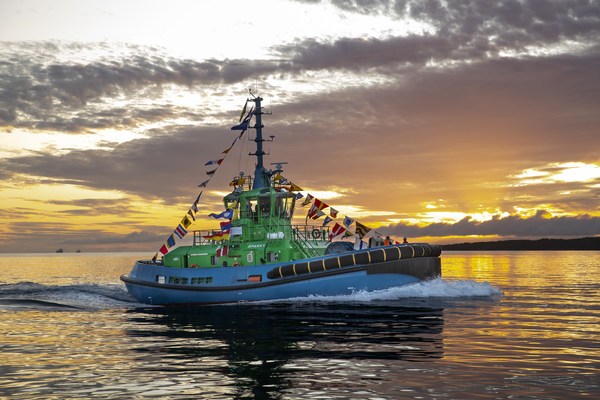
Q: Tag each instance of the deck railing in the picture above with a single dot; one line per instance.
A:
(309, 235)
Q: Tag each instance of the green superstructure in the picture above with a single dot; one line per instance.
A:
(261, 230)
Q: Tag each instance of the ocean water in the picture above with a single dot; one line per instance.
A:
(499, 325)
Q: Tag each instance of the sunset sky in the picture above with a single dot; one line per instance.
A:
(442, 121)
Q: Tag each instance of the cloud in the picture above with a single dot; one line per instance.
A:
(42, 91)
(97, 239)
(460, 32)
(94, 207)
(505, 22)
(165, 165)
(539, 225)
(356, 54)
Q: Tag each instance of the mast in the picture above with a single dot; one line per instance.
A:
(261, 178)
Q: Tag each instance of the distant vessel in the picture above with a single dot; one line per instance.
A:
(59, 250)
(258, 254)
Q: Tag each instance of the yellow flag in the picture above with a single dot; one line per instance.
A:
(295, 187)
(244, 111)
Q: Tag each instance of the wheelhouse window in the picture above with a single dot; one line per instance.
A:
(251, 209)
(284, 205)
(264, 205)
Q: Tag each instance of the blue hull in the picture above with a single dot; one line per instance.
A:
(155, 284)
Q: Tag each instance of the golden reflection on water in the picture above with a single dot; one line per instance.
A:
(547, 315)
(66, 268)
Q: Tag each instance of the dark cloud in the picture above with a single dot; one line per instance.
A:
(506, 22)
(463, 31)
(94, 207)
(539, 225)
(356, 54)
(41, 92)
(95, 239)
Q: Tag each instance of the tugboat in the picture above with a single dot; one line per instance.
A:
(260, 254)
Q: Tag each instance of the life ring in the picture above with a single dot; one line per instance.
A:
(316, 233)
(237, 264)
(193, 266)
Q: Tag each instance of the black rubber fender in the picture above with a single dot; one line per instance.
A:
(362, 257)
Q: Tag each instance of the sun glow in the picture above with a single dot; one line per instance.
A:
(557, 173)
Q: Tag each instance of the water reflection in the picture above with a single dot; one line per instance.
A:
(262, 350)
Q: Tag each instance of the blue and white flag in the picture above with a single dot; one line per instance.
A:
(348, 221)
(243, 126)
(225, 214)
(180, 231)
(359, 244)
(327, 220)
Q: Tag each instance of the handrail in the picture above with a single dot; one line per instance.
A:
(301, 233)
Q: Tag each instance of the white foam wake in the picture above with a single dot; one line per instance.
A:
(435, 288)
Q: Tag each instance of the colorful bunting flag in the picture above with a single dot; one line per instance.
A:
(317, 206)
(308, 199)
(203, 184)
(180, 231)
(225, 226)
(223, 235)
(336, 231)
(312, 211)
(295, 187)
(243, 126)
(333, 212)
(191, 214)
(347, 221)
(212, 162)
(244, 110)
(164, 250)
(186, 222)
(211, 173)
(361, 230)
(320, 205)
(318, 215)
(230, 147)
(227, 214)
(326, 221)
(171, 241)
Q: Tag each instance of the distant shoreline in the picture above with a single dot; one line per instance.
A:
(586, 243)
